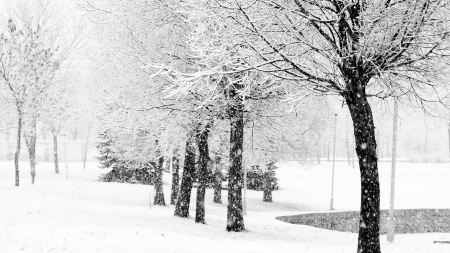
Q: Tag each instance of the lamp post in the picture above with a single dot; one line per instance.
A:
(334, 155)
(391, 219)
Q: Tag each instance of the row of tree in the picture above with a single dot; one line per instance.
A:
(234, 61)
(35, 70)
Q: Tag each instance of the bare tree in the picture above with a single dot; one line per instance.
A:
(352, 49)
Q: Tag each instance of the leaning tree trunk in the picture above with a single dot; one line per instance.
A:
(217, 182)
(55, 152)
(267, 184)
(17, 154)
(159, 194)
(30, 140)
(235, 219)
(366, 149)
(184, 197)
(202, 140)
(175, 179)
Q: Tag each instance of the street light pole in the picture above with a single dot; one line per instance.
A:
(391, 219)
(334, 155)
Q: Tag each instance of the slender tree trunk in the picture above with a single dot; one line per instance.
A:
(267, 183)
(184, 197)
(175, 179)
(30, 140)
(55, 152)
(217, 182)
(366, 149)
(159, 193)
(86, 146)
(202, 142)
(235, 219)
(17, 154)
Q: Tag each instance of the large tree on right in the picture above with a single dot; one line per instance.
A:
(354, 49)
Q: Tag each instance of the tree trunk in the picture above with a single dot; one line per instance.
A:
(17, 154)
(175, 179)
(366, 148)
(184, 197)
(217, 181)
(159, 194)
(202, 142)
(267, 183)
(30, 140)
(235, 219)
(55, 152)
(86, 146)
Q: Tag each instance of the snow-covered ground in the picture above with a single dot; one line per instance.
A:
(80, 214)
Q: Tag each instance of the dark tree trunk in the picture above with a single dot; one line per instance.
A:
(30, 140)
(175, 179)
(366, 149)
(17, 154)
(235, 219)
(267, 188)
(55, 152)
(202, 142)
(184, 197)
(217, 182)
(159, 194)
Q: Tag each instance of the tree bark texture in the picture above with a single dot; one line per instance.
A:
(267, 189)
(202, 142)
(217, 181)
(30, 140)
(175, 179)
(159, 194)
(17, 154)
(235, 219)
(366, 149)
(184, 197)
(55, 153)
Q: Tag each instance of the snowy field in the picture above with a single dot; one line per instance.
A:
(80, 214)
